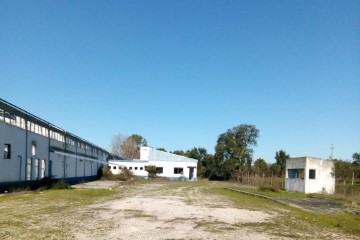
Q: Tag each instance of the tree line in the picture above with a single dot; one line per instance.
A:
(233, 157)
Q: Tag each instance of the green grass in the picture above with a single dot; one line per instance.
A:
(29, 210)
(342, 221)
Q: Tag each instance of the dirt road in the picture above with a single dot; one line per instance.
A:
(159, 210)
(163, 211)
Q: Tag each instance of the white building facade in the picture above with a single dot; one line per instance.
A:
(310, 175)
(33, 149)
(168, 165)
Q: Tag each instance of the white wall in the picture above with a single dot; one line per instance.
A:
(137, 167)
(169, 161)
(10, 168)
(294, 184)
(168, 168)
(324, 182)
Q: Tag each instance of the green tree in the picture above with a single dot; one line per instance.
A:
(139, 140)
(343, 169)
(161, 149)
(274, 169)
(179, 152)
(356, 158)
(233, 150)
(203, 158)
(151, 169)
(356, 164)
(260, 166)
(281, 157)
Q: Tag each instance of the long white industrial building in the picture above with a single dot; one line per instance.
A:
(34, 148)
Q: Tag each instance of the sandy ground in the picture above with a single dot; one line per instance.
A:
(147, 214)
(159, 210)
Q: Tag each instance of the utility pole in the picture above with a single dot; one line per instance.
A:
(332, 151)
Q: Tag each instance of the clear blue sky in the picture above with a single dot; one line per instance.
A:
(180, 73)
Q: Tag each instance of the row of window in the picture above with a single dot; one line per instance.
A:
(130, 168)
(7, 150)
(20, 122)
(158, 169)
(35, 169)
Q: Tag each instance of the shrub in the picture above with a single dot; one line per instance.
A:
(151, 169)
(59, 185)
(125, 175)
(264, 188)
(107, 174)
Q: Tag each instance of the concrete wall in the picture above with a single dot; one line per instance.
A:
(295, 184)
(322, 180)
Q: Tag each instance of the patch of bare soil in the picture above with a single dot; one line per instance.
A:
(144, 215)
(315, 205)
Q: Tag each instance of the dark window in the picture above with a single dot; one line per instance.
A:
(7, 151)
(130, 168)
(312, 174)
(114, 167)
(136, 168)
(296, 173)
(159, 170)
(178, 170)
(141, 168)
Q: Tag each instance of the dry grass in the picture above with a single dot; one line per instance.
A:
(62, 214)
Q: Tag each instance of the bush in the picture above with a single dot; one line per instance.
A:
(151, 169)
(125, 175)
(59, 185)
(263, 188)
(107, 174)
(48, 183)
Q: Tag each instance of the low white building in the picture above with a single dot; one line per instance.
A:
(168, 165)
(310, 175)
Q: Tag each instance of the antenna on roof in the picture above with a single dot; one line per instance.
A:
(332, 151)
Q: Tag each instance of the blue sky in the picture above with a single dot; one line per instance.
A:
(180, 73)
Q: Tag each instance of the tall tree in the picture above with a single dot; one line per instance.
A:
(161, 149)
(281, 157)
(179, 152)
(139, 140)
(343, 169)
(356, 163)
(234, 149)
(127, 147)
(356, 158)
(203, 158)
(116, 144)
(260, 166)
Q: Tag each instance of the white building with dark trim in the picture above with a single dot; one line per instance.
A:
(310, 175)
(34, 149)
(168, 165)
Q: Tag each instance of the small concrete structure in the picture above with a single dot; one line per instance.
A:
(168, 165)
(310, 175)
